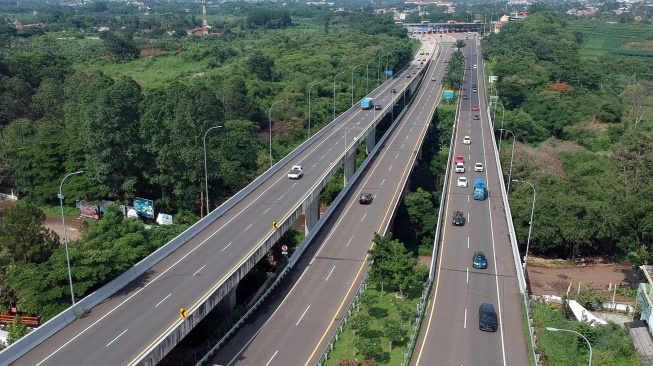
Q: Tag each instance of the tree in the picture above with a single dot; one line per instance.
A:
(23, 235)
(370, 348)
(16, 330)
(360, 324)
(636, 94)
(394, 332)
(460, 44)
(260, 65)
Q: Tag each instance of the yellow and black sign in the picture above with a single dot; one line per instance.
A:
(275, 225)
(183, 313)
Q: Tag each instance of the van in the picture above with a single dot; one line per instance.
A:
(487, 318)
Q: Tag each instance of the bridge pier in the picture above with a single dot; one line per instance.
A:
(349, 164)
(227, 304)
(312, 215)
(370, 140)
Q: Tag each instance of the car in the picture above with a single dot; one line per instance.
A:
(408, 76)
(469, 68)
(474, 66)
(414, 72)
(479, 260)
(487, 318)
(474, 53)
(433, 78)
(477, 117)
(427, 52)
(467, 140)
(478, 167)
(460, 168)
(474, 86)
(458, 218)
(462, 182)
(419, 59)
(465, 96)
(378, 106)
(365, 198)
(393, 90)
(459, 159)
(474, 107)
(296, 172)
(446, 61)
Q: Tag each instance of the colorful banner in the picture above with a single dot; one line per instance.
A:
(144, 207)
(88, 209)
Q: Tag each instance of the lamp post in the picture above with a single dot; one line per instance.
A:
(334, 94)
(270, 127)
(511, 156)
(530, 224)
(309, 108)
(352, 84)
(367, 76)
(575, 332)
(65, 238)
(378, 71)
(206, 172)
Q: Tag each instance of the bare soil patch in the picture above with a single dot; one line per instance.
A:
(54, 223)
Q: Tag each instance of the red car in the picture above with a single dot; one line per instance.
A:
(459, 159)
(474, 107)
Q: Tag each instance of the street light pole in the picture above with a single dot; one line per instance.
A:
(206, 172)
(511, 156)
(530, 224)
(270, 127)
(575, 332)
(352, 84)
(334, 94)
(65, 238)
(309, 109)
(367, 76)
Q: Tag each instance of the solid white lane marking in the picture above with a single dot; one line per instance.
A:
(467, 274)
(349, 242)
(302, 317)
(365, 214)
(164, 299)
(198, 271)
(465, 322)
(108, 344)
(226, 247)
(250, 225)
(271, 358)
(327, 278)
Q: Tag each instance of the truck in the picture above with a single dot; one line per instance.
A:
(296, 172)
(480, 189)
(367, 103)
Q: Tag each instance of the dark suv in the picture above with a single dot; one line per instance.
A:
(479, 260)
(458, 218)
(487, 318)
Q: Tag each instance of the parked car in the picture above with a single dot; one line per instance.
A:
(479, 260)
(365, 198)
(462, 182)
(487, 318)
(478, 167)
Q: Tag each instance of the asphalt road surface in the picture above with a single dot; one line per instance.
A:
(450, 333)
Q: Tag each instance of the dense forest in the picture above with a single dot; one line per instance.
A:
(583, 127)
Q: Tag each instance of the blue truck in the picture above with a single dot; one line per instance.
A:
(367, 103)
(480, 189)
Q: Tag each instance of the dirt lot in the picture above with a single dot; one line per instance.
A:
(73, 225)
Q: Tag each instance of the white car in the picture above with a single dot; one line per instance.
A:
(462, 182)
(478, 167)
(474, 66)
(460, 168)
(467, 140)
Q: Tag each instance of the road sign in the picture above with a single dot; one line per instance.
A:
(275, 225)
(183, 313)
(284, 249)
(448, 94)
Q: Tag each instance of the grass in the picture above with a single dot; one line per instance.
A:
(604, 39)
(379, 311)
(531, 357)
(611, 344)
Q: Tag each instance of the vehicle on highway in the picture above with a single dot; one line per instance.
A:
(393, 90)
(474, 90)
(460, 168)
(474, 86)
(458, 218)
(296, 172)
(365, 198)
(467, 140)
(465, 96)
(446, 61)
(408, 76)
(414, 72)
(480, 189)
(378, 106)
(477, 117)
(469, 68)
(367, 103)
(474, 66)
(474, 53)
(462, 182)
(487, 318)
(459, 159)
(479, 260)
(433, 78)
(474, 107)
(478, 167)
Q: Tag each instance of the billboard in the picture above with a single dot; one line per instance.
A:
(448, 94)
(144, 207)
(164, 219)
(388, 73)
(88, 209)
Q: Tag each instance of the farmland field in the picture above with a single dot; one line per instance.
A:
(605, 39)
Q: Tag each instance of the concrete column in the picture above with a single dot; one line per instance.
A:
(312, 215)
(228, 303)
(350, 164)
(370, 140)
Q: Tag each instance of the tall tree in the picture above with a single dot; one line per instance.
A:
(23, 235)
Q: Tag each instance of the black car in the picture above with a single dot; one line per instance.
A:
(458, 218)
(477, 117)
(469, 68)
(393, 90)
(365, 198)
(378, 106)
(479, 260)
(473, 85)
(487, 318)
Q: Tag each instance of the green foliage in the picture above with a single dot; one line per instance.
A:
(16, 330)
(369, 348)
(23, 236)
(392, 265)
